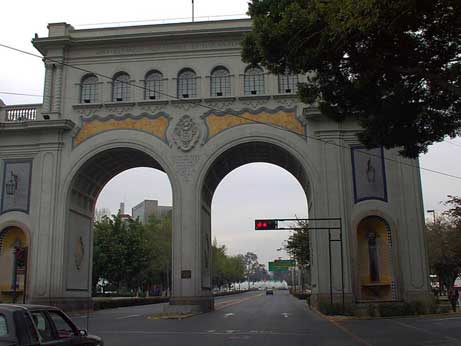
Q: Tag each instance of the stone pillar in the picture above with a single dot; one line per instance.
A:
(330, 202)
(48, 89)
(189, 291)
(57, 97)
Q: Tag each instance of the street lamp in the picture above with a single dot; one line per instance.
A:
(432, 211)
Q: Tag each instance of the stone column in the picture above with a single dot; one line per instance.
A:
(48, 89)
(56, 105)
(189, 252)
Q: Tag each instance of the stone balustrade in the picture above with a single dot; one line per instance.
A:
(19, 113)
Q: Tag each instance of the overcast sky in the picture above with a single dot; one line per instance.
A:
(249, 192)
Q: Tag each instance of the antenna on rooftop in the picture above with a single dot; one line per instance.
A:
(193, 16)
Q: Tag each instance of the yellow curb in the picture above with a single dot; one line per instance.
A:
(348, 318)
(170, 316)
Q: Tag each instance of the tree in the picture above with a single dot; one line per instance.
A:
(298, 244)
(120, 253)
(250, 260)
(226, 269)
(444, 250)
(392, 65)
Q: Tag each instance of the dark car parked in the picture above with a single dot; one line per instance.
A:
(34, 325)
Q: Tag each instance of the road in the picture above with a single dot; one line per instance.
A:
(259, 320)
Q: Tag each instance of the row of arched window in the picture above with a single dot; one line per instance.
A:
(154, 84)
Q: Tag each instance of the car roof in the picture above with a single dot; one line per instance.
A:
(29, 307)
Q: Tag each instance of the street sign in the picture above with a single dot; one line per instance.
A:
(281, 265)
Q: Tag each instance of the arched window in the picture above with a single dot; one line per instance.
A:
(253, 81)
(288, 83)
(187, 84)
(220, 82)
(88, 88)
(120, 87)
(154, 85)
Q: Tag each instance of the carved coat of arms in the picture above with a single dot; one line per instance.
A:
(186, 133)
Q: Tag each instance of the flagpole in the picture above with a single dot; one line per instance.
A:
(193, 17)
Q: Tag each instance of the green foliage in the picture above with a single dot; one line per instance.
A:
(444, 243)
(393, 65)
(131, 256)
(225, 269)
(298, 245)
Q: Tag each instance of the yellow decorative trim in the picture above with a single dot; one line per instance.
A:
(156, 127)
(219, 123)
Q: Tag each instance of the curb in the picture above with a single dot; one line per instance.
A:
(339, 318)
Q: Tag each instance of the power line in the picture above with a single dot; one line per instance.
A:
(304, 136)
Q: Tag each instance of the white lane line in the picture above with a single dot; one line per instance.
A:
(448, 318)
(285, 314)
(228, 315)
(129, 316)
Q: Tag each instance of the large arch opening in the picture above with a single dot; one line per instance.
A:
(103, 169)
(257, 157)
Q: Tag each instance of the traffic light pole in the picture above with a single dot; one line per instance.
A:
(330, 228)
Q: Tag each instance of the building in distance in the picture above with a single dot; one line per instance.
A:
(147, 208)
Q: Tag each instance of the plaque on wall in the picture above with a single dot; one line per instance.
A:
(369, 174)
(16, 186)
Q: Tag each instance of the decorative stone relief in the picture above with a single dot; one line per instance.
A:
(152, 108)
(186, 133)
(185, 105)
(185, 165)
(16, 186)
(119, 110)
(369, 174)
(220, 105)
(254, 104)
(79, 253)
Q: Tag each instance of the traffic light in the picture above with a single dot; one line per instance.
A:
(268, 224)
(21, 256)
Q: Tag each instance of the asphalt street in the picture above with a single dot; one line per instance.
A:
(256, 319)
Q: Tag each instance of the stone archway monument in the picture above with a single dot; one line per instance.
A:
(196, 127)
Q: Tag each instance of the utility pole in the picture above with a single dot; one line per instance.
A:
(193, 14)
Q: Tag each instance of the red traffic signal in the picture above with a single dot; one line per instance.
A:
(268, 224)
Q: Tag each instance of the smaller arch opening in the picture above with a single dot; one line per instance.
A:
(13, 257)
(377, 280)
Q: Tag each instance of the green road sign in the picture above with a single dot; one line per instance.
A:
(281, 265)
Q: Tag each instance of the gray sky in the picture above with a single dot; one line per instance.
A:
(252, 191)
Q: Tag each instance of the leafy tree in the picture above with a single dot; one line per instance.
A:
(298, 245)
(393, 65)
(444, 250)
(119, 253)
(251, 263)
(454, 213)
(159, 243)
(226, 269)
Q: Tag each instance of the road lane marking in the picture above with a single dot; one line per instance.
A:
(129, 316)
(228, 332)
(224, 305)
(228, 315)
(342, 328)
(285, 314)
